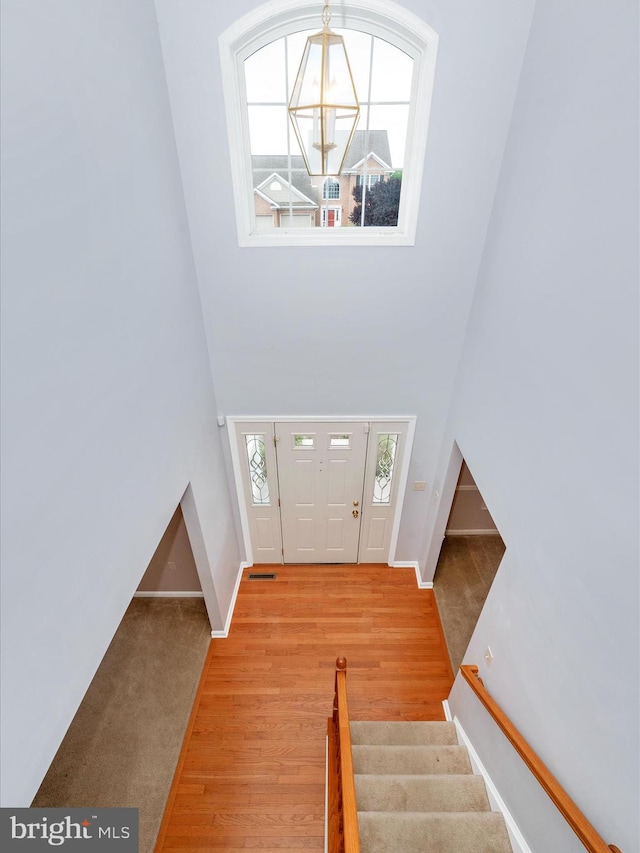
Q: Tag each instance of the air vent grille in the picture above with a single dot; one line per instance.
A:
(262, 576)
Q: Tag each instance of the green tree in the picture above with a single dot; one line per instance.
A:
(381, 204)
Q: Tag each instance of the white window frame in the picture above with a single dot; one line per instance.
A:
(369, 180)
(273, 20)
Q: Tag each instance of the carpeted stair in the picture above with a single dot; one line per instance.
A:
(416, 793)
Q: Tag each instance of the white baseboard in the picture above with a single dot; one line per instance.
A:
(447, 710)
(219, 635)
(163, 594)
(490, 531)
(412, 564)
(518, 842)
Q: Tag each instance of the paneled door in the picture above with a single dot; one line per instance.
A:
(321, 476)
(314, 491)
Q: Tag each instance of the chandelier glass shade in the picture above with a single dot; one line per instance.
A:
(324, 107)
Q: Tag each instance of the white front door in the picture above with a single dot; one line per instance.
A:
(321, 477)
(314, 491)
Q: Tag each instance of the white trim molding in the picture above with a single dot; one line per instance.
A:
(489, 531)
(218, 635)
(517, 839)
(167, 594)
(412, 564)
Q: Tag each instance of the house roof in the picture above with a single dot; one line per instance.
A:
(358, 167)
(280, 193)
(368, 142)
(364, 143)
(266, 165)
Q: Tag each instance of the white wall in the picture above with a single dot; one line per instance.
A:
(333, 331)
(546, 414)
(173, 567)
(469, 513)
(107, 403)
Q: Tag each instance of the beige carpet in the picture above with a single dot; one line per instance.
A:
(465, 572)
(415, 792)
(123, 744)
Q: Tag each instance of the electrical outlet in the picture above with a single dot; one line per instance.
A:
(419, 486)
(488, 656)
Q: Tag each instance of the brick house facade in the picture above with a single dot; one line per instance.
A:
(287, 196)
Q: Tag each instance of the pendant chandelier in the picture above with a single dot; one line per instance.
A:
(324, 107)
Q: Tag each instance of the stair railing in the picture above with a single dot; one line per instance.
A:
(563, 802)
(342, 814)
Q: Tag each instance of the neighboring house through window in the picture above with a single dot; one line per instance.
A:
(282, 195)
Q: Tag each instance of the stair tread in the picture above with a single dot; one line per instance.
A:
(405, 759)
(403, 732)
(434, 832)
(416, 792)
(421, 792)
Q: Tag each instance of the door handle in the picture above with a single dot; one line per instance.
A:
(355, 513)
(356, 503)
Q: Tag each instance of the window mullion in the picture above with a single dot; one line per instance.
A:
(366, 137)
(286, 95)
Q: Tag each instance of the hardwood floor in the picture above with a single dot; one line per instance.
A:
(252, 767)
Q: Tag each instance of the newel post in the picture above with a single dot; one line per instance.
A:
(341, 672)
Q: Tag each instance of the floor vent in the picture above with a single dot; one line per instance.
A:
(262, 576)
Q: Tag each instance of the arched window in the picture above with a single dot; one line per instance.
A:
(331, 188)
(392, 54)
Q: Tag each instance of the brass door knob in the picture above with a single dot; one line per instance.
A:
(356, 503)
(355, 513)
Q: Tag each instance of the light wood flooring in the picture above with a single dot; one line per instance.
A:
(252, 767)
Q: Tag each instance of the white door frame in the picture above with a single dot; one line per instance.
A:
(403, 473)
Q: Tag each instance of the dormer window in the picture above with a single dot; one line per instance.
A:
(392, 55)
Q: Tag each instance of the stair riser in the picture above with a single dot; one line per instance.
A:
(433, 833)
(407, 733)
(421, 793)
(416, 793)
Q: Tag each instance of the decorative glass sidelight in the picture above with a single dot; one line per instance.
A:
(387, 446)
(257, 460)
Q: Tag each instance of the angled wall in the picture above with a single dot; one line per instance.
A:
(547, 398)
(107, 402)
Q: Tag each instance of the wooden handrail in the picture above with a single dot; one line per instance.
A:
(343, 831)
(563, 802)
